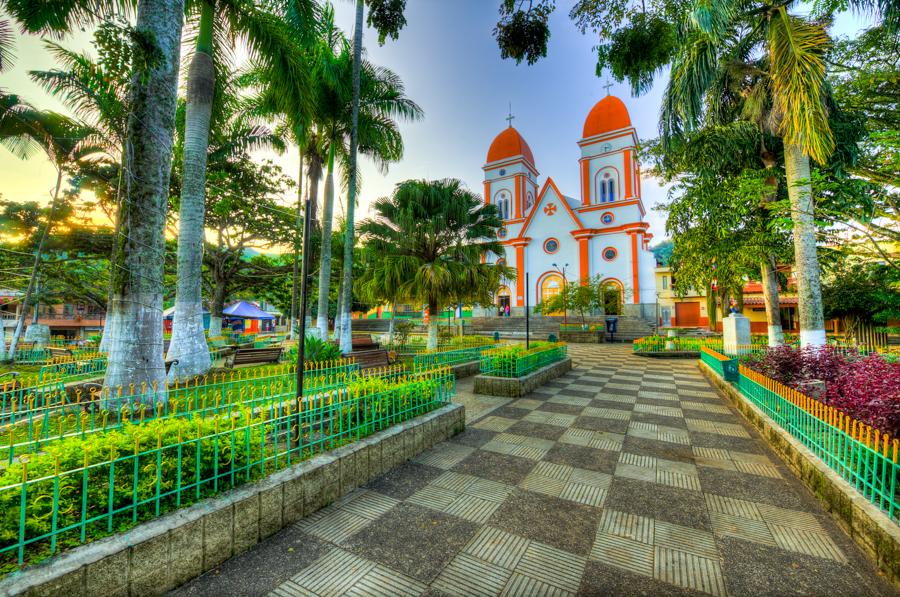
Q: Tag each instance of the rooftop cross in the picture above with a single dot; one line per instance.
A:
(510, 118)
(607, 86)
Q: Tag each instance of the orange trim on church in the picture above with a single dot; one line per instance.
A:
(614, 205)
(520, 275)
(634, 268)
(518, 195)
(585, 182)
(487, 192)
(583, 260)
(628, 181)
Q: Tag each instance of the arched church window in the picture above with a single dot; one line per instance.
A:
(603, 191)
(502, 199)
(529, 200)
(612, 189)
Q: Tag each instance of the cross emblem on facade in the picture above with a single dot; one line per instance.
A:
(510, 118)
(550, 209)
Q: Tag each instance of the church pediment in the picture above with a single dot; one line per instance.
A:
(552, 204)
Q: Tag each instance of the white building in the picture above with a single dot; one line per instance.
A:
(599, 233)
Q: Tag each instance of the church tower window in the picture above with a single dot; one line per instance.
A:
(612, 189)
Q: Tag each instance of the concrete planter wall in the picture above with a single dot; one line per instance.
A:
(868, 526)
(582, 337)
(162, 554)
(514, 387)
(465, 369)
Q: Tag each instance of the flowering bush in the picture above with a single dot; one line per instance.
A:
(865, 387)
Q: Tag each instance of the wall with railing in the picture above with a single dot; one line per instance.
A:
(517, 361)
(863, 456)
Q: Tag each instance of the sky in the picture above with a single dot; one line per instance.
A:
(450, 63)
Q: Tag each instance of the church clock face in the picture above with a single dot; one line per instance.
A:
(606, 147)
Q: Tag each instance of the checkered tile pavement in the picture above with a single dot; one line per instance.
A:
(627, 475)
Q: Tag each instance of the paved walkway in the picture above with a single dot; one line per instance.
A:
(626, 476)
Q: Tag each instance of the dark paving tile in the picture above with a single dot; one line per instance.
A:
(651, 447)
(526, 428)
(565, 409)
(725, 442)
(753, 569)
(497, 467)
(601, 424)
(655, 402)
(413, 540)
(473, 437)
(619, 391)
(603, 461)
(678, 506)
(707, 416)
(259, 570)
(404, 480)
(577, 393)
(559, 523)
(510, 412)
(755, 488)
(676, 422)
(601, 579)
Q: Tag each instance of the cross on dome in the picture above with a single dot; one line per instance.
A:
(510, 118)
(607, 86)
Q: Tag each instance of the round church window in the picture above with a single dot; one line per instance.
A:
(551, 245)
(607, 218)
(501, 232)
(609, 253)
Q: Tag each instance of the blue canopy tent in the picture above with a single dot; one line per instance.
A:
(243, 316)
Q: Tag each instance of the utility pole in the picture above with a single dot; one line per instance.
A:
(527, 314)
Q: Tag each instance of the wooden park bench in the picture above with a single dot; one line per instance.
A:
(59, 353)
(254, 356)
(369, 359)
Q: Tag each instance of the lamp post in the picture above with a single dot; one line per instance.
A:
(562, 272)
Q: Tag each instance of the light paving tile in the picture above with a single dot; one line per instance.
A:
(519, 584)
(671, 396)
(444, 456)
(290, 589)
(607, 413)
(570, 400)
(637, 460)
(553, 470)
(673, 435)
(729, 525)
(433, 497)
(679, 480)
(689, 571)
(370, 504)
(762, 470)
(724, 465)
(600, 441)
(732, 506)
(662, 411)
(713, 453)
(487, 489)
(642, 426)
(794, 519)
(497, 547)
(472, 508)
(681, 538)
(495, 423)
(639, 473)
(629, 526)
(468, 575)
(576, 437)
(527, 403)
(623, 386)
(320, 577)
(384, 582)
(704, 407)
(540, 484)
(334, 525)
(747, 457)
(729, 429)
(811, 543)
(454, 481)
(583, 494)
(624, 553)
(552, 566)
(592, 478)
(615, 398)
(514, 450)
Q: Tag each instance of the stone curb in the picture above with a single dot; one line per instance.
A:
(466, 369)
(162, 554)
(514, 387)
(868, 526)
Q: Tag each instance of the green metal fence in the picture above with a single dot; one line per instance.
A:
(72, 370)
(32, 355)
(516, 361)
(864, 457)
(80, 489)
(449, 357)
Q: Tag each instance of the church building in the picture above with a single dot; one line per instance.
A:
(599, 233)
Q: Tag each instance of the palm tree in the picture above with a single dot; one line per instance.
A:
(380, 284)
(269, 40)
(65, 141)
(718, 44)
(430, 237)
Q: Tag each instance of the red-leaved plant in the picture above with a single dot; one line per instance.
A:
(866, 388)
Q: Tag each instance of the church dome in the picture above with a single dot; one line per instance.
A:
(509, 144)
(609, 114)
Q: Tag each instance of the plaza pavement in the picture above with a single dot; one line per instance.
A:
(627, 476)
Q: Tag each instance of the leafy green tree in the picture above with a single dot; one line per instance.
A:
(433, 235)
(861, 293)
(581, 297)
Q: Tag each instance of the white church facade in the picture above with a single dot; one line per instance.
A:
(599, 233)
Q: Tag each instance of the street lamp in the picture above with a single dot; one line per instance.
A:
(565, 283)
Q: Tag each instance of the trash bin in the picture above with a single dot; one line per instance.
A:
(551, 338)
(611, 324)
(730, 370)
(496, 336)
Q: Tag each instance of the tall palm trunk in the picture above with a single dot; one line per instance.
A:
(137, 357)
(432, 325)
(35, 268)
(325, 259)
(806, 261)
(295, 274)
(314, 174)
(391, 324)
(188, 345)
(347, 302)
